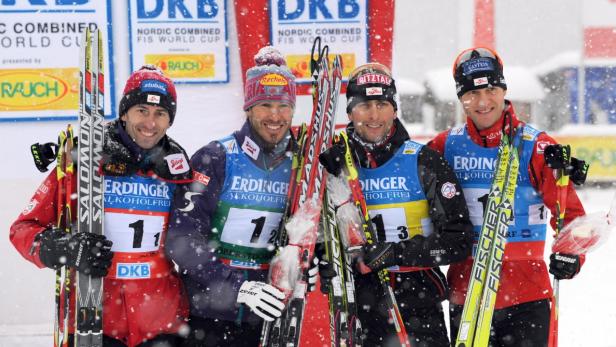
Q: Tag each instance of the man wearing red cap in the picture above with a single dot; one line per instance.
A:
(522, 310)
(224, 224)
(141, 167)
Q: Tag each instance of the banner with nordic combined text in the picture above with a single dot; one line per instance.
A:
(187, 39)
(342, 25)
(39, 64)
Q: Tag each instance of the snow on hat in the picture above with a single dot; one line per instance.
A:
(269, 80)
(149, 85)
(477, 68)
(370, 81)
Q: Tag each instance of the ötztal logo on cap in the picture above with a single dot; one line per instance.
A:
(374, 78)
(273, 79)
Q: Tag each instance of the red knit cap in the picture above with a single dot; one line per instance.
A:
(149, 85)
(269, 80)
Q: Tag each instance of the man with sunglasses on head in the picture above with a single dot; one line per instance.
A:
(222, 230)
(522, 313)
(417, 209)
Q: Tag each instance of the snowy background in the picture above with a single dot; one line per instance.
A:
(427, 36)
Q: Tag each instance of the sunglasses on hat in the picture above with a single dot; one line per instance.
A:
(475, 53)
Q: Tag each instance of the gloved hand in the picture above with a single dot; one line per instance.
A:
(564, 266)
(332, 159)
(323, 269)
(88, 253)
(377, 256)
(263, 299)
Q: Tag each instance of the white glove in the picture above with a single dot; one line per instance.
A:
(262, 298)
(313, 274)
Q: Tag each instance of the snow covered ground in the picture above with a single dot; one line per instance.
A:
(588, 312)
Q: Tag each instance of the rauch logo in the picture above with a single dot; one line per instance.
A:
(29, 89)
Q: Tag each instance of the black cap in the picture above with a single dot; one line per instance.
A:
(478, 68)
(370, 81)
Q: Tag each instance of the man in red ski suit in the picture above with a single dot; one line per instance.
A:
(522, 312)
(144, 303)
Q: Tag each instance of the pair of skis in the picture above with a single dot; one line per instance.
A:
(297, 236)
(476, 319)
(88, 308)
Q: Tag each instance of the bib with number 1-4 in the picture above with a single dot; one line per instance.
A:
(249, 210)
(136, 212)
(395, 198)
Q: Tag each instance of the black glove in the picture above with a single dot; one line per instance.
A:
(564, 266)
(378, 256)
(332, 159)
(323, 268)
(86, 252)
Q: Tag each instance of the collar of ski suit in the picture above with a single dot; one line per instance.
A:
(268, 156)
(491, 136)
(123, 157)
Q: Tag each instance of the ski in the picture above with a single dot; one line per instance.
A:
(476, 319)
(297, 237)
(64, 276)
(89, 290)
(345, 327)
(351, 177)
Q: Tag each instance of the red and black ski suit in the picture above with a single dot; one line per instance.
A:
(524, 275)
(145, 306)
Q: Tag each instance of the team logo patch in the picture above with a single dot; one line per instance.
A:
(541, 145)
(477, 65)
(153, 99)
(177, 163)
(250, 148)
(480, 81)
(133, 271)
(448, 190)
(199, 177)
(374, 91)
(273, 79)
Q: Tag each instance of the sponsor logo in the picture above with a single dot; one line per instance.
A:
(153, 99)
(191, 205)
(156, 190)
(153, 86)
(177, 163)
(569, 260)
(43, 188)
(448, 190)
(31, 205)
(480, 81)
(184, 65)
(541, 145)
(133, 271)
(476, 65)
(273, 79)
(374, 91)
(247, 185)
(374, 78)
(473, 163)
(199, 177)
(385, 183)
(36, 89)
(250, 148)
